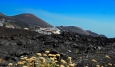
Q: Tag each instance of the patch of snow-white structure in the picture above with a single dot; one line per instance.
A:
(48, 30)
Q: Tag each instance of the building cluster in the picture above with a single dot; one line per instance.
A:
(48, 30)
(42, 30)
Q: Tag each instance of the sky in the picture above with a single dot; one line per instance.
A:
(95, 15)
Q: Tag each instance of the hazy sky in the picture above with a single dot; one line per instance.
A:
(95, 15)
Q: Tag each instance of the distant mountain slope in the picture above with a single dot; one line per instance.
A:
(1, 14)
(79, 30)
(95, 34)
(92, 33)
(25, 20)
(32, 19)
(73, 29)
(14, 21)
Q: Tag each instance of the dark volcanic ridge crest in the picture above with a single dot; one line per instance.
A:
(1, 14)
(27, 18)
(31, 21)
(79, 30)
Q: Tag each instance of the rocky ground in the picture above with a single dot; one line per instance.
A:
(15, 43)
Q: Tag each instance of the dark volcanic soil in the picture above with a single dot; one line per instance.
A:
(15, 43)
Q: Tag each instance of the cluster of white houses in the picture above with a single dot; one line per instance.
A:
(48, 30)
(42, 30)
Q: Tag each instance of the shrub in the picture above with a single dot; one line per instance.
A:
(43, 60)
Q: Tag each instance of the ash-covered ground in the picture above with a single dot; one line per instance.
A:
(15, 43)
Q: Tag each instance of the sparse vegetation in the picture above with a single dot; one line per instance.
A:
(43, 60)
(53, 60)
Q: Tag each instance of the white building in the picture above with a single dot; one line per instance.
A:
(26, 28)
(57, 31)
(10, 26)
(48, 31)
(2, 22)
(53, 30)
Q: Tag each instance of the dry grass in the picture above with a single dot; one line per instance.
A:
(52, 60)
(43, 60)
(2, 60)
